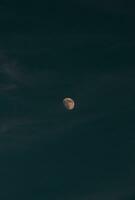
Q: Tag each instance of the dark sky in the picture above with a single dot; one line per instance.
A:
(84, 50)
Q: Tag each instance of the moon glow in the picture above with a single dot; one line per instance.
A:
(69, 103)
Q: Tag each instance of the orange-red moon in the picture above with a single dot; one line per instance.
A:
(69, 103)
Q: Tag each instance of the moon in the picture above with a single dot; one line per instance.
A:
(69, 103)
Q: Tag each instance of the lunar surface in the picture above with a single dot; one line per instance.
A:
(69, 103)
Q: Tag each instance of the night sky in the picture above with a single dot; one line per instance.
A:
(50, 50)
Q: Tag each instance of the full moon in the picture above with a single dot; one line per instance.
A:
(69, 103)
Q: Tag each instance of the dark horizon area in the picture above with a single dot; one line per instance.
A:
(79, 49)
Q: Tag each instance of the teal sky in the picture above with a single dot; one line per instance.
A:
(83, 50)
